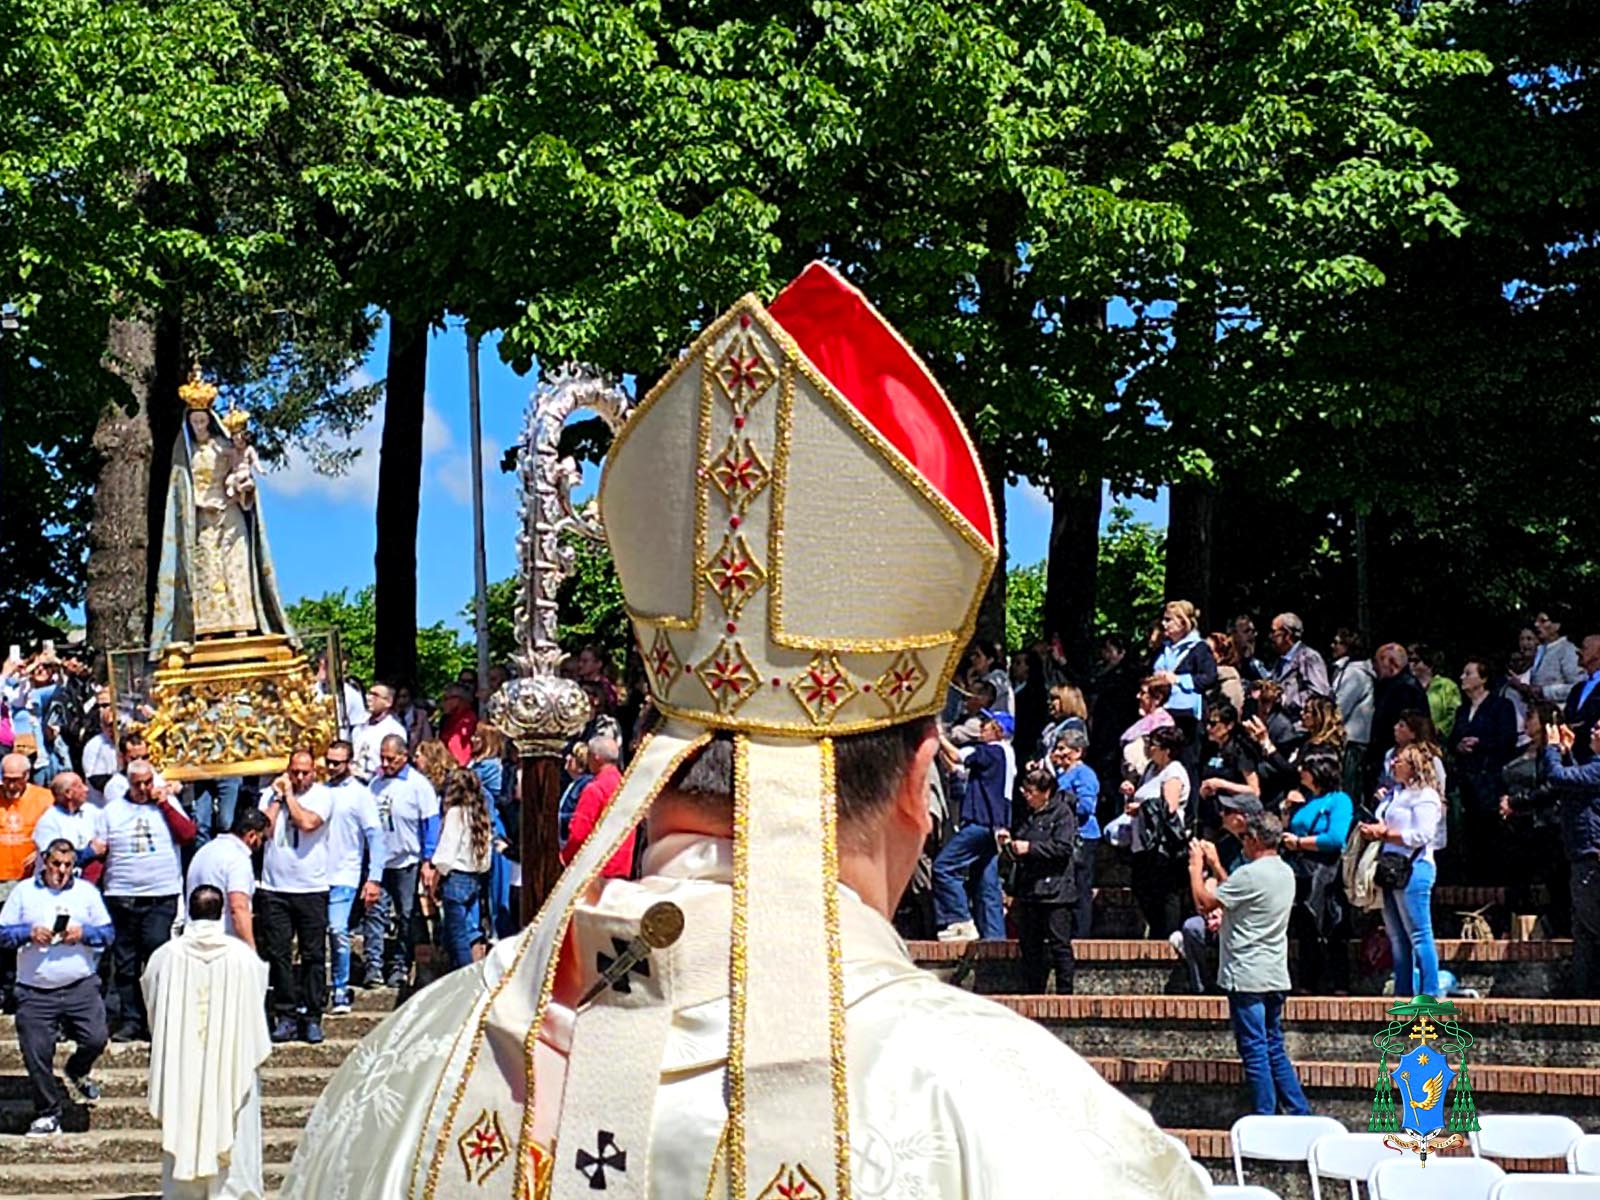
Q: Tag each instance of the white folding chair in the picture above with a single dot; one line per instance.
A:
(1547, 1187)
(1442, 1179)
(1524, 1135)
(1202, 1174)
(1277, 1138)
(1583, 1156)
(1248, 1191)
(1347, 1156)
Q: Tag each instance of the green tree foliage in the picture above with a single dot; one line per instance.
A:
(441, 652)
(1131, 577)
(1024, 605)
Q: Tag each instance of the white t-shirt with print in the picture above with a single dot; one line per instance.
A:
(296, 861)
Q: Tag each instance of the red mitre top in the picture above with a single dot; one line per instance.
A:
(845, 338)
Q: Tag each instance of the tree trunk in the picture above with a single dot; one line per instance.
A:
(399, 494)
(119, 532)
(1071, 577)
(1191, 529)
(164, 415)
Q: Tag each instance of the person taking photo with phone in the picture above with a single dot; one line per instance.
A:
(61, 925)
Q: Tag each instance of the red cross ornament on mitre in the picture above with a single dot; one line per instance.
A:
(799, 521)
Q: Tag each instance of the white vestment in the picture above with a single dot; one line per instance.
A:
(950, 1094)
(206, 993)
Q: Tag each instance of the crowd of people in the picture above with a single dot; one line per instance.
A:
(1380, 771)
(1257, 795)
(402, 831)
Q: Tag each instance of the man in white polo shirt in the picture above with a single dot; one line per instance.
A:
(226, 863)
(356, 857)
(409, 809)
(292, 901)
(60, 923)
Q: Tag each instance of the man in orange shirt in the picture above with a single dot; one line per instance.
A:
(21, 806)
(592, 801)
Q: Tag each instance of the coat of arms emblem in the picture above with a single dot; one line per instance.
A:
(1422, 1102)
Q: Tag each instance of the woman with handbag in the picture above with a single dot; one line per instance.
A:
(1318, 816)
(1406, 825)
(1159, 834)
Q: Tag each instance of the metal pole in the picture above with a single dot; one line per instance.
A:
(480, 569)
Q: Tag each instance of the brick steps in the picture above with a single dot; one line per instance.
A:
(125, 1180)
(1173, 1054)
(133, 1112)
(1130, 966)
(1210, 1092)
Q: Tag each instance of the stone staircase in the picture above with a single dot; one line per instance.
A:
(1172, 1053)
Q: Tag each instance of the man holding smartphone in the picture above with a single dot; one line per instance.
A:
(61, 925)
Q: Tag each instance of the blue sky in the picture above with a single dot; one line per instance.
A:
(322, 527)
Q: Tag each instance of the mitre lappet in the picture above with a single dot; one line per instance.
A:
(803, 535)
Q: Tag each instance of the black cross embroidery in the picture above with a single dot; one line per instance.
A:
(604, 961)
(607, 1156)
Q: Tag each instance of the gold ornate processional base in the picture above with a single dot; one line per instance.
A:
(235, 706)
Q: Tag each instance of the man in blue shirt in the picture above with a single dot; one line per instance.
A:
(409, 810)
(1577, 795)
(60, 924)
(991, 770)
(1078, 782)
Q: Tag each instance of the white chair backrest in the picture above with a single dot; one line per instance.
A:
(1442, 1179)
(1232, 1191)
(1584, 1155)
(1347, 1156)
(1202, 1174)
(1547, 1187)
(1277, 1138)
(1524, 1135)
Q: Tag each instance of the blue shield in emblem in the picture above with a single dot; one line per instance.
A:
(1422, 1080)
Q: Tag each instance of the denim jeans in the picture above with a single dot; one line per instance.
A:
(399, 902)
(461, 893)
(340, 901)
(215, 801)
(1258, 1032)
(1408, 919)
(970, 846)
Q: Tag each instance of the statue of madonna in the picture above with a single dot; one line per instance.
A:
(216, 575)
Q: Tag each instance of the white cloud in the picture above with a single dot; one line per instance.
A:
(454, 472)
(1031, 500)
(359, 483)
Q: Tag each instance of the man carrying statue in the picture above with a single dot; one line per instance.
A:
(803, 535)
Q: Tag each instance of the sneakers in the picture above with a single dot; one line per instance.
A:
(44, 1127)
(313, 1032)
(287, 1029)
(961, 931)
(343, 1002)
(85, 1089)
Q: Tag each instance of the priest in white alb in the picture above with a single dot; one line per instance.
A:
(206, 994)
(803, 535)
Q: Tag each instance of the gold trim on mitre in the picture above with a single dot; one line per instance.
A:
(197, 395)
(746, 544)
